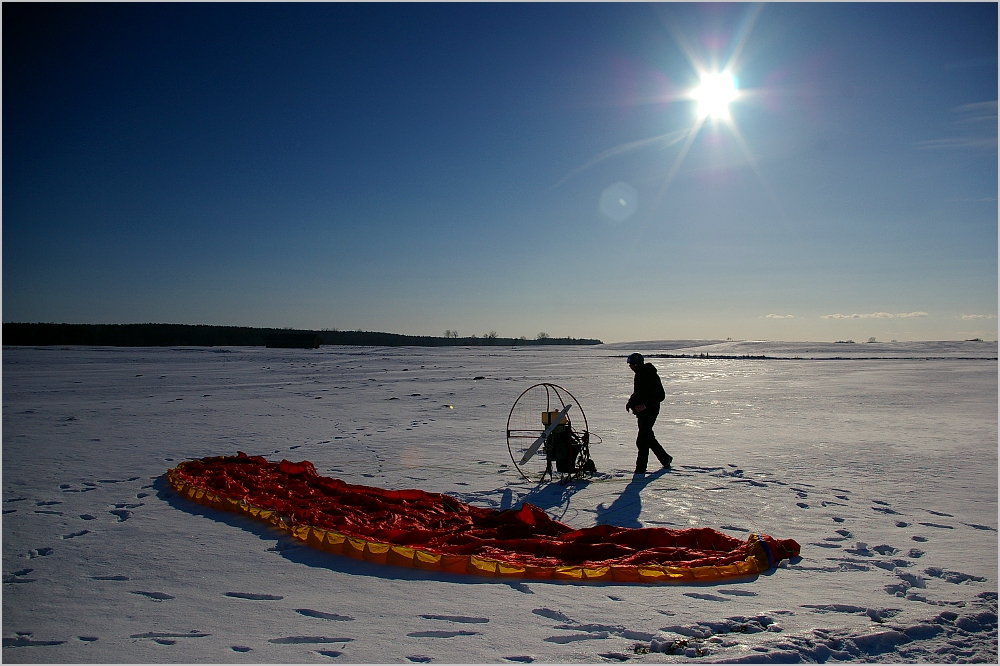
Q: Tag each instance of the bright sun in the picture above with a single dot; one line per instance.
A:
(714, 94)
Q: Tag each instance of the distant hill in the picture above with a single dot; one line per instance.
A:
(187, 335)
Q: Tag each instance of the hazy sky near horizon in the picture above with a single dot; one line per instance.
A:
(508, 167)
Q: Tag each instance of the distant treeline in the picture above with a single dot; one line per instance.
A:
(750, 357)
(186, 335)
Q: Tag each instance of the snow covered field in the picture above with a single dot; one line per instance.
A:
(879, 459)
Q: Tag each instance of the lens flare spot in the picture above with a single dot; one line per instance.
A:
(411, 457)
(619, 201)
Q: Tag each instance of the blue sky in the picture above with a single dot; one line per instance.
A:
(416, 168)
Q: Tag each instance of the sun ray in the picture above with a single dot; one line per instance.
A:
(744, 34)
(668, 139)
(682, 42)
(692, 132)
(745, 147)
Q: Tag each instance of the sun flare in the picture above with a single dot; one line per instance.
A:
(714, 94)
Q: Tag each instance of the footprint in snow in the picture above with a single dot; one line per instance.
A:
(155, 596)
(551, 614)
(920, 539)
(876, 614)
(940, 527)
(419, 658)
(441, 634)
(320, 615)
(519, 587)
(164, 637)
(88, 639)
(734, 528)
(565, 640)
(521, 659)
(457, 618)
(39, 552)
(116, 577)
(254, 597)
(18, 577)
(123, 514)
(306, 640)
(907, 581)
(704, 597)
(614, 656)
(240, 648)
(23, 639)
(332, 654)
(861, 548)
(955, 577)
(75, 534)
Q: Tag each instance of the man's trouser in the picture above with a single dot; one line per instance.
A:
(646, 440)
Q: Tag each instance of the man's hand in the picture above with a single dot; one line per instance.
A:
(638, 408)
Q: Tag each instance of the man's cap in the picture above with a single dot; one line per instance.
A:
(635, 359)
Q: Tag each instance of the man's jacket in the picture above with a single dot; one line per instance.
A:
(647, 389)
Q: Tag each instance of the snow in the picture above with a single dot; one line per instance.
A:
(879, 459)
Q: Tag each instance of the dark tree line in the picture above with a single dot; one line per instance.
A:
(184, 335)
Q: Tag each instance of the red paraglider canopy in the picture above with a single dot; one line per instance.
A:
(431, 530)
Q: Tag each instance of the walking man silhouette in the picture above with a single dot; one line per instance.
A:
(647, 394)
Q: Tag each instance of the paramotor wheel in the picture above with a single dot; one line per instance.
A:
(534, 455)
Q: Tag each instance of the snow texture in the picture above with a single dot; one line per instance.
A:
(879, 459)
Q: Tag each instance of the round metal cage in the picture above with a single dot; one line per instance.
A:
(548, 434)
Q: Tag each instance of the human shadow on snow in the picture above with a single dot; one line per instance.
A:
(550, 496)
(624, 511)
(294, 550)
